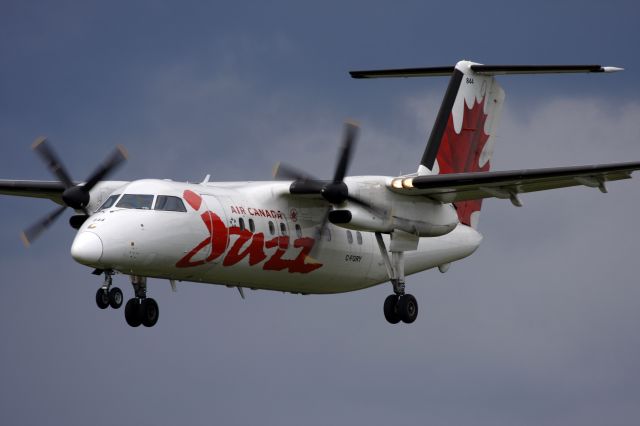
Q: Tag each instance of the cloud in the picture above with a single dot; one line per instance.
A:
(538, 326)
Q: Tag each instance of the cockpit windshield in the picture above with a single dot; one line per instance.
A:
(112, 199)
(135, 201)
(169, 203)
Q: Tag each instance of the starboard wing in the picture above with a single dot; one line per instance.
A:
(454, 187)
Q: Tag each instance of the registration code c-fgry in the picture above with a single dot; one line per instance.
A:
(352, 258)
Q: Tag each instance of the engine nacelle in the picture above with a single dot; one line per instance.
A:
(359, 219)
(425, 218)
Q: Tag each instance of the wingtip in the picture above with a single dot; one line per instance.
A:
(612, 69)
(25, 240)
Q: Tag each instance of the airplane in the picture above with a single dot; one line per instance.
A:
(300, 234)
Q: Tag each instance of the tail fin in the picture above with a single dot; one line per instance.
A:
(463, 134)
(464, 131)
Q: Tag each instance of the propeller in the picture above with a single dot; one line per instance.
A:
(74, 196)
(334, 191)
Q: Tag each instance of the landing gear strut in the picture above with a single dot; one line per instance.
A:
(106, 295)
(141, 309)
(398, 306)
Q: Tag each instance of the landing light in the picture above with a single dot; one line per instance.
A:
(396, 183)
(407, 183)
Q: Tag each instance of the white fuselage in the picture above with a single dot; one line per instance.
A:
(254, 235)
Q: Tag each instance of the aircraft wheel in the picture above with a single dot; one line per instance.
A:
(150, 312)
(408, 308)
(115, 298)
(102, 298)
(133, 312)
(390, 309)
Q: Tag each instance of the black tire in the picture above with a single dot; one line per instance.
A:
(102, 298)
(133, 312)
(390, 309)
(149, 312)
(115, 298)
(408, 308)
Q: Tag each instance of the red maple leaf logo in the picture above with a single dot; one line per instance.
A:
(460, 152)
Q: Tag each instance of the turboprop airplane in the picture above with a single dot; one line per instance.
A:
(299, 234)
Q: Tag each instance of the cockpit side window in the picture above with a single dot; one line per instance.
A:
(109, 202)
(169, 203)
(135, 201)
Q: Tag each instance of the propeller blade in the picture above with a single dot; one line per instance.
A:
(371, 207)
(31, 233)
(350, 133)
(50, 158)
(74, 196)
(319, 234)
(285, 172)
(112, 162)
(360, 202)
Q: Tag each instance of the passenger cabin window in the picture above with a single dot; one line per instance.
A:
(241, 224)
(135, 201)
(283, 229)
(168, 203)
(349, 237)
(252, 225)
(298, 231)
(272, 228)
(112, 199)
(359, 237)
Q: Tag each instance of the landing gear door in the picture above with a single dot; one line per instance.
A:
(216, 221)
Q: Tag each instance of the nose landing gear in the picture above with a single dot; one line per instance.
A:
(102, 298)
(115, 298)
(106, 295)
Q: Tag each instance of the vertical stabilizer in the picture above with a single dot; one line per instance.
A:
(464, 131)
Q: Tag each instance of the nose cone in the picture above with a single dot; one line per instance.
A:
(87, 248)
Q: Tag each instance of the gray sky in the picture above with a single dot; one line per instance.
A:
(539, 326)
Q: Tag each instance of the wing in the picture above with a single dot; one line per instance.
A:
(508, 184)
(51, 190)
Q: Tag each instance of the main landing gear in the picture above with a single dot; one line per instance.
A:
(140, 310)
(398, 306)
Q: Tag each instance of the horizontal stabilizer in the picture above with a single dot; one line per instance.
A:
(540, 69)
(404, 72)
(483, 69)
